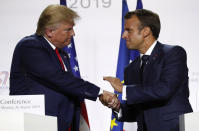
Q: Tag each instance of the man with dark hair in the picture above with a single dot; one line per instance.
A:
(40, 66)
(147, 18)
(156, 83)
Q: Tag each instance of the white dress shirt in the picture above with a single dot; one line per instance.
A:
(54, 49)
(148, 52)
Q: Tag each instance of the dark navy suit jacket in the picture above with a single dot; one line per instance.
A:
(36, 69)
(163, 94)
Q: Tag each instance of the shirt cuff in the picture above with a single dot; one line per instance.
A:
(119, 114)
(124, 93)
(100, 92)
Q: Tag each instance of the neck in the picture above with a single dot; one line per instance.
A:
(51, 41)
(146, 45)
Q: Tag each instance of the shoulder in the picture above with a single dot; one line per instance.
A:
(30, 41)
(134, 63)
(172, 49)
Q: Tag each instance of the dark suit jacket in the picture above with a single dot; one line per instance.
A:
(36, 69)
(163, 94)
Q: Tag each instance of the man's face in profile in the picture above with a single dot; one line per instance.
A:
(62, 35)
(132, 34)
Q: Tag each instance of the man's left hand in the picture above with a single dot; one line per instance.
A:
(115, 83)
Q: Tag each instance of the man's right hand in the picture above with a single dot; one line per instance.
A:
(110, 100)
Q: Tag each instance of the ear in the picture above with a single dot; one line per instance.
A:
(49, 32)
(146, 31)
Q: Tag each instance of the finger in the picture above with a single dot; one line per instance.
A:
(107, 98)
(104, 103)
(118, 106)
(102, 99)
(108, 78)
(114, 103)
(105, 77)
(111, 102)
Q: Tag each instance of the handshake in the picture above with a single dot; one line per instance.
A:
(109, 99)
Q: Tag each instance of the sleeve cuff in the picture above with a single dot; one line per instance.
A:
(124, 92)
(118, 114)
(100, 92)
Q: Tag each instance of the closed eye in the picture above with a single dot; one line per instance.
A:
(69, 29)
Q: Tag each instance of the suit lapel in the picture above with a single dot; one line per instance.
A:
(51, 51)
(155, 56)
(137, 63)
(132, 72)
(46, 45)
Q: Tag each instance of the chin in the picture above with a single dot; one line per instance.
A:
(66, 43)
(128, 46)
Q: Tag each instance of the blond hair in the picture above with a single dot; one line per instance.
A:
(53, 15)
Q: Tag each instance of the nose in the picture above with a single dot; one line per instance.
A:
(124, 35)
(72, 32)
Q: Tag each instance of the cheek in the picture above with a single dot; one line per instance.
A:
(66, 35)
(131, 38)
(62, 36)
(137, 37)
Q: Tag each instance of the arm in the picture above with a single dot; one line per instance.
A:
(172, 75)
(128, 113)
(39, 63)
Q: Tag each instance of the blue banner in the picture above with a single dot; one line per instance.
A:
(124, 58)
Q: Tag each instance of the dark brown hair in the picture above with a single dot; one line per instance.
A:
(147, 19)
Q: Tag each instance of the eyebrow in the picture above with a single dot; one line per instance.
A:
(68, 29)
(128, 29)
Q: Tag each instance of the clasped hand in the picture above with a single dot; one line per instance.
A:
(110, 100)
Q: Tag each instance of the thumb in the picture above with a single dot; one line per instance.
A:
(108, 78)
(105, 77)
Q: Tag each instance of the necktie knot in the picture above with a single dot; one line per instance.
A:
(145, 58)
(56, 50)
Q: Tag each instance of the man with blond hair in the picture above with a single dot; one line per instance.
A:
(40, 66)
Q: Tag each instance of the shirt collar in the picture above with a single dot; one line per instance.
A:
(50, 43)
(149, 51)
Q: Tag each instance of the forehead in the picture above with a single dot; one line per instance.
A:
(66, 24)
(71, 22)
(132, 22)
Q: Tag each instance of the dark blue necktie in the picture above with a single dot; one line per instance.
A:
(144, 59)
(66, 60)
